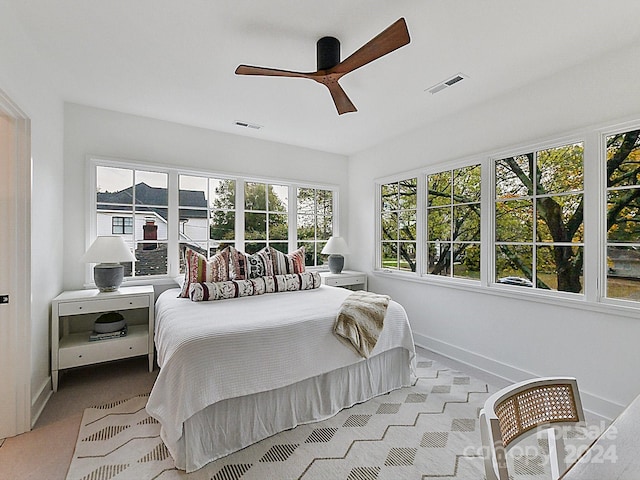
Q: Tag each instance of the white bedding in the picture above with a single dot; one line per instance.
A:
(213, 351)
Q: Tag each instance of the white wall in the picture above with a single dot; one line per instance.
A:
(513, 338)
(92, 131)
(24, 75)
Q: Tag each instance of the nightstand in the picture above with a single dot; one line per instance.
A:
(73, 314)
(349, 279)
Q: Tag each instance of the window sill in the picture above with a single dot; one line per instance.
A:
(565, 300)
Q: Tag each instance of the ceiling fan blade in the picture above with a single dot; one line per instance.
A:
(269, 72)
(340, 98)
(394, 37)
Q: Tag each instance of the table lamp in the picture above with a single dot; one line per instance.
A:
(335, 248)
(107, 252)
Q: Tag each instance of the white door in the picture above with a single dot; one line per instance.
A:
(7, 334)
(14, 315)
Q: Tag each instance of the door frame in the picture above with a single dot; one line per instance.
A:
(15, 275)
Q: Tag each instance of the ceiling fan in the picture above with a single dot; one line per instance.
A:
(331, 69)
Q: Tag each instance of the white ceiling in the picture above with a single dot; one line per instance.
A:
(175, 59)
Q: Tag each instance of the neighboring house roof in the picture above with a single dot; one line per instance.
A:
(152, 199)
(192, 198)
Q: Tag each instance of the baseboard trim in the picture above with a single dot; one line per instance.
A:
(599, 408)
(39, 401)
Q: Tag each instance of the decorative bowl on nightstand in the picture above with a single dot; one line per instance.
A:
(109, 322)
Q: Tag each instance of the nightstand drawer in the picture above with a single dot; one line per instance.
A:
(104, 305)
(103, 350)
(345, 280)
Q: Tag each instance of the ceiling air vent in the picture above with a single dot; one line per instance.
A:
(446, 84)
(248, 125)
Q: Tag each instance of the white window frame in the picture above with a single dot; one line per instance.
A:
(451, 168)
(173, 267)
(268, 212)
(421, 274)
(95, 162)
(315, 240)
(603, 232)
(534, 148)
(207, 177)
(595, 232)
(420, 213)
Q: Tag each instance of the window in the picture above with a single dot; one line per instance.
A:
(266, 221)
(133, 204)
(623, 215)
(539, 230)
(453, 223)
(314, 216)
(159, 211)
(533, 222)
(206, 213)
(398, 222)
(121, 225)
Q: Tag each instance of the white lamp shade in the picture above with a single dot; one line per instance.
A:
(335, 246)
(108, 249)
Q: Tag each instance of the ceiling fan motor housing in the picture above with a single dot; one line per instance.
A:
(328, 53)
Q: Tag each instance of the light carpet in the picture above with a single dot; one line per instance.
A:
(429, 430)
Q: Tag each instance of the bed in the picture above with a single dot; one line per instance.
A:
(235, 371)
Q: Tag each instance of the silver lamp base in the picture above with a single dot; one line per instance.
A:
(336, 263)
(108, 276)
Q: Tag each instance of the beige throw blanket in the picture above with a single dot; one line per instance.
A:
(360, 320)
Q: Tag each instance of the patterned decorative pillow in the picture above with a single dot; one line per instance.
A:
(284, 263)
(243, 266)
(209, 291)
(204, 291)
(200, 269)
(260, 264)
(297, 281)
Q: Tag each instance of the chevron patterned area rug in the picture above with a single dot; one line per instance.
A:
(427, 431)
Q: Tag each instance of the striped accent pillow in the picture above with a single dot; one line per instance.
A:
(238, 264)
(200, 269)
(284, 263)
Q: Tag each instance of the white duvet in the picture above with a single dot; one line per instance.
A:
(211, 351)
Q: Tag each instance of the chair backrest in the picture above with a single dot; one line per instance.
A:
(521, 408)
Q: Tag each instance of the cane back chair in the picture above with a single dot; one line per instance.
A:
(525, 408)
